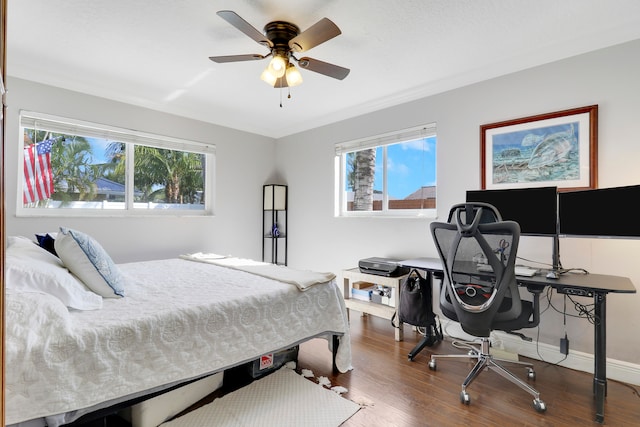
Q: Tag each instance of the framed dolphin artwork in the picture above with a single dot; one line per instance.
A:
(552, 149)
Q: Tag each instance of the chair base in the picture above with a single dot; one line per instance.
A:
(486, 360)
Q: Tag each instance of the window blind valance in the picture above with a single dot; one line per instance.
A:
(41, 121)
(410, 134)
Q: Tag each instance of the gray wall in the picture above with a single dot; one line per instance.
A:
(244, 163)
(609, 78)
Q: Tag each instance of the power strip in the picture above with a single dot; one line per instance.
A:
(503, 354)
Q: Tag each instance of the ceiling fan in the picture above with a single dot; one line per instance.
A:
(284, 39)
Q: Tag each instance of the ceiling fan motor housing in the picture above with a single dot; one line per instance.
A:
(280, 32)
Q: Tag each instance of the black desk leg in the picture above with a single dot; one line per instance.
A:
(426, 341)
(600, 346)
(433, 333)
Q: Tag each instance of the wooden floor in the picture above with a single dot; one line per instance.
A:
(403, 393)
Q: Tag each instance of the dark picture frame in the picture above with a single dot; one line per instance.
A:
(554, 149)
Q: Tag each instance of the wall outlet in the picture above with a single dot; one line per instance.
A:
(564, 346)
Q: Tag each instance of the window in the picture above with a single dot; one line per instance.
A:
(390, 174)
(78, 168)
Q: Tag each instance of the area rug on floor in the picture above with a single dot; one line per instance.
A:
(281, 399)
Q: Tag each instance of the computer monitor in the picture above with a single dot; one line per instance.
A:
(603, 212)
(535, 209)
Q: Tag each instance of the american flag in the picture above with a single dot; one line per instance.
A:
(38, 178)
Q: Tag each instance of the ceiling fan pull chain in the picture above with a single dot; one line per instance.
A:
(280, 97)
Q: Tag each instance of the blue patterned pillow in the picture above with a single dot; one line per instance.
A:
(85, 258)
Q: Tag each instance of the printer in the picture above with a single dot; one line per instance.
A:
(382, 267)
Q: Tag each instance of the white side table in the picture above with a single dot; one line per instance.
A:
(353, 275)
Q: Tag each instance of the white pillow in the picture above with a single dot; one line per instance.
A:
(85, 258)
(30, 268)
(26, 248)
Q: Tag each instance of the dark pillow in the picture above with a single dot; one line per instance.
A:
(46, 241)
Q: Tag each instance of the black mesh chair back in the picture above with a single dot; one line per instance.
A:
(479, 259)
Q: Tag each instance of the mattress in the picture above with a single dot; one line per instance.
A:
(179, 320)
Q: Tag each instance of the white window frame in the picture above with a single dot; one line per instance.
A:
(395, 137)
(69, 126)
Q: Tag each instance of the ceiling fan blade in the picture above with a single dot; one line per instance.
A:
(325, 68)
(236, 58)
(319, 32)
(242, 25)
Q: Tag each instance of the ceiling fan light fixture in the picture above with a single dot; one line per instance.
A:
(268, 77)
(294, 78)
(278, 66)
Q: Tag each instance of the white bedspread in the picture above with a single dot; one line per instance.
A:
(303, 279)
(180, 319)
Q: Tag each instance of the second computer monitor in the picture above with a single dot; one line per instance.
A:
(535, 209)
(603, 212)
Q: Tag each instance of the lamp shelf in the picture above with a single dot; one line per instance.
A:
(274, 218)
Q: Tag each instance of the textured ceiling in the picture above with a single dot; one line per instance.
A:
(154, 53)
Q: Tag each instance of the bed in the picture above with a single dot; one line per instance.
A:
(177, 320)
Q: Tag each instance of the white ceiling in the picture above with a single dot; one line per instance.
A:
(154, 53)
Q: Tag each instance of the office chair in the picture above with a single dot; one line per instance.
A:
(479, 288)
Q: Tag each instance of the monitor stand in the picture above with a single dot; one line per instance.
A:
(555, 254)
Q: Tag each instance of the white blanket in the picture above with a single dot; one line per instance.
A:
(179, 320)
(303, 279)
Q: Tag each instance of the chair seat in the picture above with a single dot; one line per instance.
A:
(526, 319)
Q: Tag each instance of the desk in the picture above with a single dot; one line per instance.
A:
(584, 285)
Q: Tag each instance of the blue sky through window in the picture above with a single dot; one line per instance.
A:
(410, 165)
(99, 150)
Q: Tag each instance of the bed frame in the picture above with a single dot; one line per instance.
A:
(99, 417)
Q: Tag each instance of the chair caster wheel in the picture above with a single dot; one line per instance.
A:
(539, 405)
(465, 398)
(432, 365)
(531, 374)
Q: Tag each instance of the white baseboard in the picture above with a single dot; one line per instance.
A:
(616, 369)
